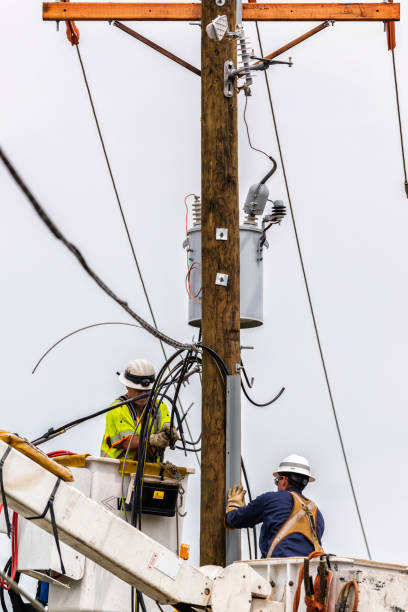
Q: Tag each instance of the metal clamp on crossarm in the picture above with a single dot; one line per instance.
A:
(263, 63)
(230, 73)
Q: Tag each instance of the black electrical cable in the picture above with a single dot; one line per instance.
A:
(133, 592)
(248, 382)
(193, 443)
(140, 599)
(266, 403)
(271, 171)
(76, 331)
(177, 379)
(250, 499)
(176, 394)
(274, 163)
(249, 542)
(80, 258)
(130, 325)
(118, 198)
(17, 602)
(189, 450)
(75, 251)
(52, 433)
(343, 450)
(187, 411)
(215, 356)
(136, 515)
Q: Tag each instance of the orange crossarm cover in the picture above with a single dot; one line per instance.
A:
(35, 454)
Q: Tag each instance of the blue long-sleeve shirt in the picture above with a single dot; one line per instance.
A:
(272, 509)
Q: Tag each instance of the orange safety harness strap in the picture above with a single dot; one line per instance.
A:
(301, 520)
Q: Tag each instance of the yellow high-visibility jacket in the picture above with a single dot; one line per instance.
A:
(122, 422)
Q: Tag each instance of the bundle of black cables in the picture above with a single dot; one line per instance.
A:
(159, 391)
(175, 376)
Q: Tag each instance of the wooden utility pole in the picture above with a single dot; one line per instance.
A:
(220, 303)
(220, 210)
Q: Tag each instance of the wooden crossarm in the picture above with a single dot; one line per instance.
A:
(145, 11)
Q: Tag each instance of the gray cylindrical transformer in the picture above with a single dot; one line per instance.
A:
(251, 276)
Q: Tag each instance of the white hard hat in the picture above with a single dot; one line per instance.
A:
(295, 464)
(139, 374)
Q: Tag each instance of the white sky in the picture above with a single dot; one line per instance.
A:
(338, 124)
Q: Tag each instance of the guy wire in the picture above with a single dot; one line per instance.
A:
(311, 305)
(399, 121)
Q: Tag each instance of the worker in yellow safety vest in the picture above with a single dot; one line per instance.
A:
(123, 424)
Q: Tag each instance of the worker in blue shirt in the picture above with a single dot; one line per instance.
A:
(292, 526)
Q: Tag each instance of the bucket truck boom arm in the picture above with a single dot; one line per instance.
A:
(122, 549)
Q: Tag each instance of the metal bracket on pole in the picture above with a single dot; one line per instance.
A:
(229, 79)
(233, 450)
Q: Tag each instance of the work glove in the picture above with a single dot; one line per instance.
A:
(235, 498)
(159, 439)
(174, 434)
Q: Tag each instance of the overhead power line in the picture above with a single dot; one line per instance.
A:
(122, 214)
(309, 297)
(81, 259)
(404, 165)
(76, 331)
(138, 268)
